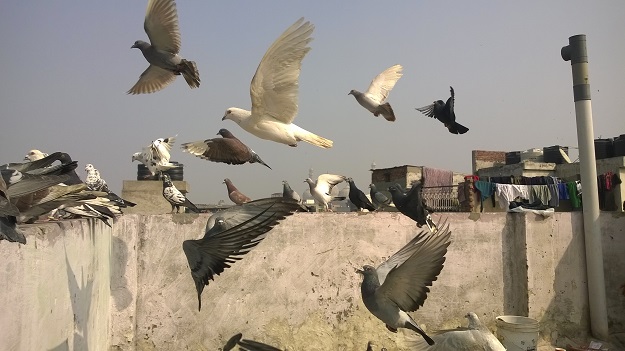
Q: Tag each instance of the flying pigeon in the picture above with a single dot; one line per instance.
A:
(93, 180)
(413, 205)
(161, 26)
(274, 91)
(322, 188)
(444, 112)
(358, 198)
(289, 193)
(400, 284)
(379, 200)
(156, 155)
(227, 149)
(374, 98)
(175, 197)
(34, 155)
(476, 336)
(230, 234)
(234, 194)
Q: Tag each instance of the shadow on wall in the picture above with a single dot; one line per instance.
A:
(80, 297)
(514, 259)
(119, 284)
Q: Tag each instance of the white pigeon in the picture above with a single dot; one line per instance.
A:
(161, 26)
(94, 181)
(34, 155)
(476, 337)
(321, 189)
(156, 155)
(374, 99)
(161, 148)
(274, 91)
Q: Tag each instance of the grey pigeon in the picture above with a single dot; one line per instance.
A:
(400, 284)
(8, 220)
(175, 197)
(378, 199)
(358, 198)
(444, 112)
(274, 91)
(412, 204)
(321, 189)
(227, 149)
(161, 26)
(234, 194)
(230, 234)
(289, 193)
(374, 99)
(476, 336)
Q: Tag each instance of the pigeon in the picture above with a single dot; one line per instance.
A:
(274, 91)
(412, 204)
(234, 194)
(358, 198)
(175, 197)
(161, 26)
(230, 234)
(378, 199)
(322, 188)
(156, 155)
(444, 112)
(34, 155)
(375, 96)
(400, 284)
(93, 180)
(247, 345)
(474, 337)
(289, 193)
(8, 220)
(227, 149)
(20, 184)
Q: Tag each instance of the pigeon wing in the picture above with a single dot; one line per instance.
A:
(413, 268)
(161, 25)
(381, 85)
(152, 79)
(325, 182)
(230, 151)
(251, 345)
(275, 87)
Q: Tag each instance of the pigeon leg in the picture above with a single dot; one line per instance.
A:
(391, 328)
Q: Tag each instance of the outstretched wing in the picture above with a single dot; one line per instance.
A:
(381, 85)
(161, 25)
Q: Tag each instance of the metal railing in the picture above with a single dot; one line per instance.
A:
(442, 198)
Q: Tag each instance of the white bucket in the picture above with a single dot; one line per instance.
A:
(517, 333)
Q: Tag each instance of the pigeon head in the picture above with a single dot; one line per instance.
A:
(236, 115)
(34, 155)
(353, 92)
(166, 180)
(226, 181)
(372, 187)
(225, 133)
(136, 156)
(140, 44)
(89, 167)
(369, 275)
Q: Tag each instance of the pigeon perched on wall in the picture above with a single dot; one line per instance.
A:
(161, 26)
(412, 204)
(358, 198)
(476, 336)
(93, 180)
(227, 149)
(234, 194)
(400, 284)
(175, 197)
(444, 112)
(156, 155)
(379, 200)
(34, 155)
(374, 99)
(274, 91)
(321, 189)
(230, 234)
(289, 193)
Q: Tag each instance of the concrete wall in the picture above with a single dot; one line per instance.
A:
(297, 289)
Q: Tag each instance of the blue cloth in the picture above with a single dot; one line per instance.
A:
(563, 192)
(486, 189)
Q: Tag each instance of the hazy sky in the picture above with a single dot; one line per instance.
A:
(66, 67)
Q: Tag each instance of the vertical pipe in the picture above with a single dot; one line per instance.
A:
(577, 54)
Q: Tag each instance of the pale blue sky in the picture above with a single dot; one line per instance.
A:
(66, 66)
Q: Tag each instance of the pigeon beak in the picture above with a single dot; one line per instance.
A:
(223, 118)
(134, 46)
(360, 271)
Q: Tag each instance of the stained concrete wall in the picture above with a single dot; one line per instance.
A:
(297, 289)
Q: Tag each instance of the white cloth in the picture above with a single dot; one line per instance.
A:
(509, 192)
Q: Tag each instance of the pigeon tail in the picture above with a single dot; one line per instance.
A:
(386, 111)
(457, 128)
(189, 71)
(256, 159)
(304, 135)
(191, 206)
(412, 325)
(431, 225)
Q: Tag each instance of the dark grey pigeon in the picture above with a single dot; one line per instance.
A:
(358, 198)
(289, 193)
(230, 234)
(161, 26)
(227, 149)
(412, 204)
(378, 199)
(234, 194)
(444, 112)
(400, 284)
(175, 197)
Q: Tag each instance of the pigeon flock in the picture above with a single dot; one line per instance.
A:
(46, 187)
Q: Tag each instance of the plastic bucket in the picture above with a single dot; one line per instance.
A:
(517, 333)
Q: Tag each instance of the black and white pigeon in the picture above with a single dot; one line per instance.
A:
(321, 189)
(413, 205)
(400, 284)
(234, 194)
(227, 149)
(230, 234)
(161, 26)
(379, 200)
(156, 155)
(374, 99)
(358, 198)
(289, 193)
(93, 180)
(175, 197)
(444, 112)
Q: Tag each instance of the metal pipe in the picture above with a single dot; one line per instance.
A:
(577, 54)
